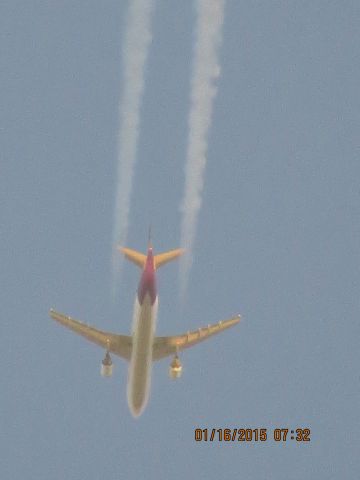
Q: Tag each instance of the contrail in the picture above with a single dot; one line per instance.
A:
(135, 52)
(206, 69)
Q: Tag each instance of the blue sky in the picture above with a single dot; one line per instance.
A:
(278, 241)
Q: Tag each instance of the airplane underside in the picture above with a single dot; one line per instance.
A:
(142, 347)
(144, 323)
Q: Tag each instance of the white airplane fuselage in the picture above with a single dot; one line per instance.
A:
(143, 329)
(144, 323)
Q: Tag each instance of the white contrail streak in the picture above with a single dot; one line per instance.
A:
(206, 69)
(135, 52)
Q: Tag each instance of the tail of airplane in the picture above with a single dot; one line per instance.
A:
(166, 257)
(139, 258)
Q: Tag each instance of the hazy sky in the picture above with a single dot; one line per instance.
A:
(277, 240)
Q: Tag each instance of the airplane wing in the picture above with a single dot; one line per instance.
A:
(120, 345)
(165, 346)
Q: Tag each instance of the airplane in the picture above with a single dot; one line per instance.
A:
(142, 347)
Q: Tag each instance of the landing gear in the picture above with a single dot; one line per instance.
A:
(107, 366)
(175, 369)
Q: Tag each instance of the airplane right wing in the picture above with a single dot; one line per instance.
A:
(165, 346)
(120, 345)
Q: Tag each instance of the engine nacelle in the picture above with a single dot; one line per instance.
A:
(107, 366)
(175, 369)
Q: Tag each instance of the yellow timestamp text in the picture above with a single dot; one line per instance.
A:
(252, 434)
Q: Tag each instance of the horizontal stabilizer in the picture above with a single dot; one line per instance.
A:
(166, 257)
(139, 258)
(136, 257)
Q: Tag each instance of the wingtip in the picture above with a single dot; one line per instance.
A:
(123, 250)
(236, 319)
(180, 251)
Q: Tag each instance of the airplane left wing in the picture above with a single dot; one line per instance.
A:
(165, 346)
(120, 345)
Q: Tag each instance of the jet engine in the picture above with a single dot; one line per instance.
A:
(175, 369)
(107, 366)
